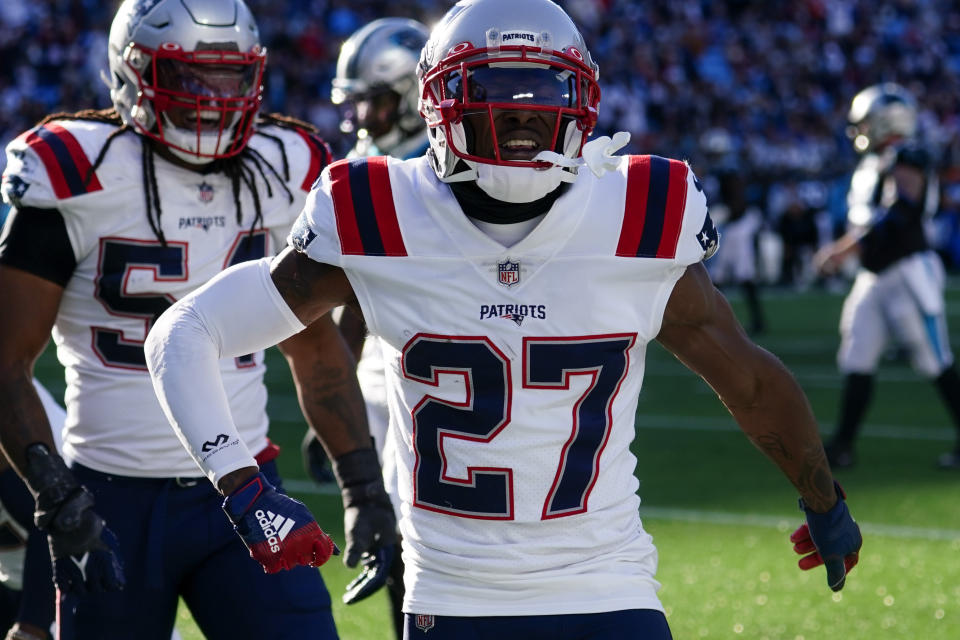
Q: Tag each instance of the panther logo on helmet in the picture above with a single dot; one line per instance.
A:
(381, 58)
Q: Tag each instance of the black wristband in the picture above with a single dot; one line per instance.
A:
(47, 475)
(357, 467)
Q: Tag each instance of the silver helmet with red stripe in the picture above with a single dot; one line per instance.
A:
(500, 82)
(187, 74)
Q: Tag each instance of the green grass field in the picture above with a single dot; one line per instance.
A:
(720, 513)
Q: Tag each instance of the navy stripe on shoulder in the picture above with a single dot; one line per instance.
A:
(363, 207)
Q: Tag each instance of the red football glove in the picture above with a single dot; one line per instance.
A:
(280, 532)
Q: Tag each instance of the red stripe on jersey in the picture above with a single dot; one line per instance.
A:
(382, 196)
(80, 159)
(635, 207)
(347, 230)
(673, 216)
(57, 180)
(319, 158)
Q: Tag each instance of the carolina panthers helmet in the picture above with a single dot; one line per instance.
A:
(881, 114)
(489, 56)
(188, 74)
(382, 57)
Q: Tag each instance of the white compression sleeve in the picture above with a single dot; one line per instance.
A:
(240, 311)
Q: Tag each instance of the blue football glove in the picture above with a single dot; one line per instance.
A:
(83, 549)
(280, 532)
(368, 521)
(831, 539)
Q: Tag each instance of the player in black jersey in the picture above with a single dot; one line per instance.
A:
(898, 291)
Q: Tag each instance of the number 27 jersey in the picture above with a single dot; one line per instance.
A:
(513, 374)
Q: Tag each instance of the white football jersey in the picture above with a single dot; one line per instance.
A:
(125, 276)
(514, 374)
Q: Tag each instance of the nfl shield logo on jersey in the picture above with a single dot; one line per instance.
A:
(206, 192)
(508, 273)
(424, 622)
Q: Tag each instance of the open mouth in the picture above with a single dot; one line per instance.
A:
(520, 148)
(208, 120)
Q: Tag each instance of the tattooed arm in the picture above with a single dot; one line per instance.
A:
(323, 372)
(700, 329)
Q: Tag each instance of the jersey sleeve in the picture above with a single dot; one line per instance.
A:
(45, 166)
(315, 231)
(699, 238)
(25, 179)
(352, 213)
(36, 241)
(665, 213)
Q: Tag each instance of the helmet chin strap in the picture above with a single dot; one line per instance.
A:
(597, 155)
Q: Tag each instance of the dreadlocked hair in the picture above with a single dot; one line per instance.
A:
(241, 169)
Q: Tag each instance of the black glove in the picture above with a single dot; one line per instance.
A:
(83, 549)
(368, 521)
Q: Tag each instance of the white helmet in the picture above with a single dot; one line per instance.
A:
(188, 74)
(517, 56)
(380, 57)
(881, 114)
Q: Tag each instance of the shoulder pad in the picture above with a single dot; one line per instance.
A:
(665, 212)
(363, 204)
(51, 162)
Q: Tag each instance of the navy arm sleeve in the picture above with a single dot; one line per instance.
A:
(36, 241)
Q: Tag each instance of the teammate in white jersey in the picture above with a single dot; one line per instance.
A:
(515, 276)
(899, 288)
(117, 214)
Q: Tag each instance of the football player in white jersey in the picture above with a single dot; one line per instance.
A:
(117, 214)
(899, 288)
(515, 276)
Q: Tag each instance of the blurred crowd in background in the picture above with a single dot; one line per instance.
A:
(757, 87)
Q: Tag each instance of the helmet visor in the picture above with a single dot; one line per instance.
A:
(207, 79)
(501, 84)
